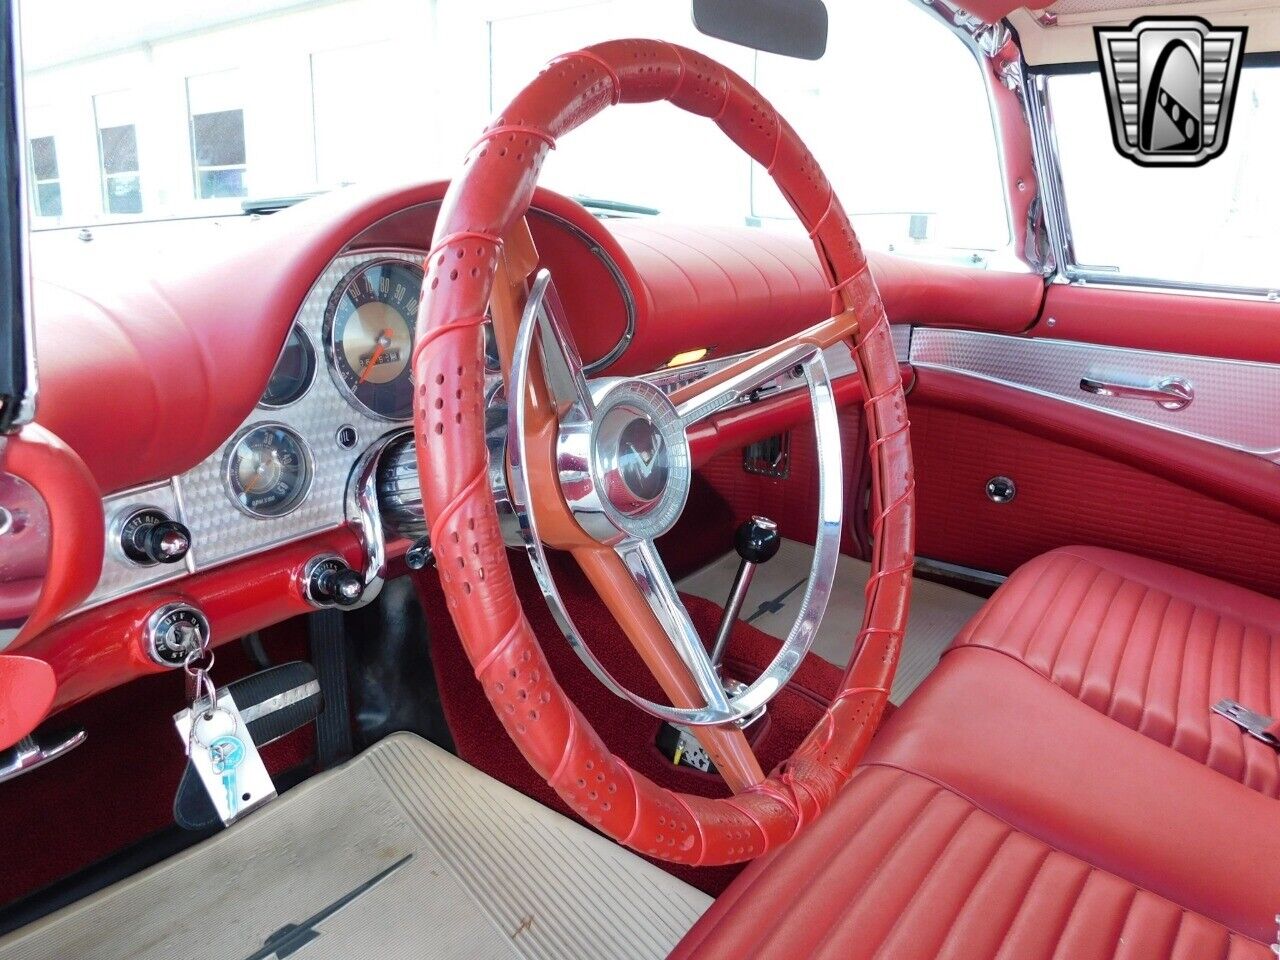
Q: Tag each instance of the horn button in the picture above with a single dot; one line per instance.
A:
(637, 460)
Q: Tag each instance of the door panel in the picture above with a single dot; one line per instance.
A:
(1224, 402)
(1198, 487)
(1068, 495)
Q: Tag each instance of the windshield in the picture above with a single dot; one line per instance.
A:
(145, 110)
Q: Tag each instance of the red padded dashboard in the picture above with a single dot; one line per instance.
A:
(145, 372)
(147, 369)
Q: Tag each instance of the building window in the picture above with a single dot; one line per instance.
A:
(121, 184)
(217, 136)
(46, 185)
(118, 153)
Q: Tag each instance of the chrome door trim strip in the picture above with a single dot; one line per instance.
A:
(1235, 400)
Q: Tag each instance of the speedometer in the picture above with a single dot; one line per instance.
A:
(368, 334)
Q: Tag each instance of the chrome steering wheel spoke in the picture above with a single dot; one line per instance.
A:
(624, 469)
(654, 583)
(741, 385)
(561, 365)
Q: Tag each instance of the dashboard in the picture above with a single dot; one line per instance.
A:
(251, 403)
(339, 387)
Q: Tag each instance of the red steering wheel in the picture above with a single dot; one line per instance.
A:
(480, 260)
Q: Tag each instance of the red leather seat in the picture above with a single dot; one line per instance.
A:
(1149, 645)
(998, 816)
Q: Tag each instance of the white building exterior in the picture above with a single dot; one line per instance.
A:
(335, 91)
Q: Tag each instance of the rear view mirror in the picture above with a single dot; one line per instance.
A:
(792, 28)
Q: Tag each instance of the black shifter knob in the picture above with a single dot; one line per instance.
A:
(332, 581)
(151, 537)
(757, 540)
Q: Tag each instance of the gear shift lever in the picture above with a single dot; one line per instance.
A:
(757, 542)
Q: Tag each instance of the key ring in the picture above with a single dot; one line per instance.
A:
(188, 662)
(207, 716)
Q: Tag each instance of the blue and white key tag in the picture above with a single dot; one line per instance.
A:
(224, 756)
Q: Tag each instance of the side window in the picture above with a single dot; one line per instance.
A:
(118, 154)
(1213, 225)
(911, 152)
(46, 185)
(216, 113)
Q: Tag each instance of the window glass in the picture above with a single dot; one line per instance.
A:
(276, 98)
(44, 158)
(912, 153)
(44, 175)
(218, 138)
(1215, 224)
(217, 135)
(877, 138)
(118, 153)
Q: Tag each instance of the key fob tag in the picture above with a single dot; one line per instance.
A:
(224, 756)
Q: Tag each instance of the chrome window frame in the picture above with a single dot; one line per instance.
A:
(26, 411)
(1066, 268)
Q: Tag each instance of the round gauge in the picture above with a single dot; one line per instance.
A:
(268, 470)
(293, 371)
(368, 334)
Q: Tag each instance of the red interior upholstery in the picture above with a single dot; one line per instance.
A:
(1003, 812)
(997, 816)
(1150, 646)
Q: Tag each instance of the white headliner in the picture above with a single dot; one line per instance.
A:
(1070, 38)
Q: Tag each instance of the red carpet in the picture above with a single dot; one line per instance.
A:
(628, 731)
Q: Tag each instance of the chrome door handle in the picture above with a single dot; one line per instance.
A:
(29, 753)
(1169, 393)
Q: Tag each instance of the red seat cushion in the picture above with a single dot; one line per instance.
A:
(997, 816)
(1149, 645)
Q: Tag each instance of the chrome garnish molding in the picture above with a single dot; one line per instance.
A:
(1234, 402)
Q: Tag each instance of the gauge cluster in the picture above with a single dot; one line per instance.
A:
(368, 336)
(283, 474)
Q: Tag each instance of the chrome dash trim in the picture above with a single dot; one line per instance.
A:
(222, 534)
(614, 353)
(1235, 400)
(839, 359)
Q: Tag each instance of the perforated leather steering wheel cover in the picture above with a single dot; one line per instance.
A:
(493, 190)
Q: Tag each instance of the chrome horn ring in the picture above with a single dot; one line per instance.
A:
(624, 467)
